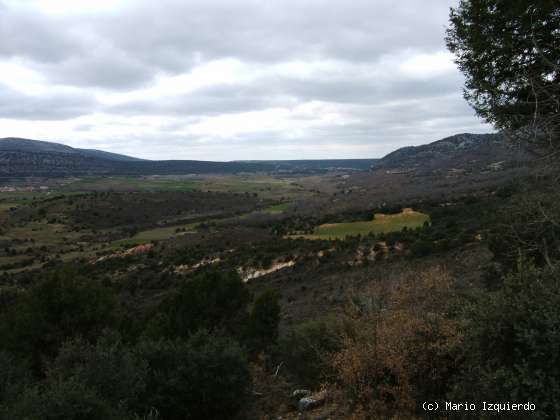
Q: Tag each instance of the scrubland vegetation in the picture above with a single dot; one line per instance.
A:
(462, 307)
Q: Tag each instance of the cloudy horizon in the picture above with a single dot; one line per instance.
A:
(231, 79)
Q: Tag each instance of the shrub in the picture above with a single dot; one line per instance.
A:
(211, 300)
(421, 248)
(15, 377)
(512, 346)
(307, 349)
(402, 351)
(113, 371)
(206, 377)
(62, 306)
(263, 320)
(69, 399)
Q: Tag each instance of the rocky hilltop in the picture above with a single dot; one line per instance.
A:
(461, 152)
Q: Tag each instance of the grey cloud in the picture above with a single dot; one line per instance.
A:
(171, 36)
(101, 67)
(53, 106)
(276, 31)
(208, 102)
(365, 90)
(31, 36)
(275, 91)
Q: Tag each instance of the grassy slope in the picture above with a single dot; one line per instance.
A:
(277, 208)
(157, 234)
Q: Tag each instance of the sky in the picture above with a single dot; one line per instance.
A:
(231, 79)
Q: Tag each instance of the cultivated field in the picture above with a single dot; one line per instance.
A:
(382, 223)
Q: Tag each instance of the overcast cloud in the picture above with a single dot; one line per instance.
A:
(230, 79)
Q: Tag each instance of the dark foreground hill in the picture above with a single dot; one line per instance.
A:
(25, 158)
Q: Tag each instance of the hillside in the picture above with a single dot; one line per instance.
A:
(53, 164)
(108, 155)
(13, 144)
(24, 158)
(462, 152)
(311, 165)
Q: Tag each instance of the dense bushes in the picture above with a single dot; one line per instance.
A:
(61, 306)
(15, 376)
(194, 365)
(205, 377)
(66, 400)
(211, 300)
(308, 348)
(512, 343)
(218, 302)
(111, 368)
(262, 327)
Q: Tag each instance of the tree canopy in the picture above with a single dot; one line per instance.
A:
(509, 51)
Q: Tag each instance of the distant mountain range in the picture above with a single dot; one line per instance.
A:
(23, 158)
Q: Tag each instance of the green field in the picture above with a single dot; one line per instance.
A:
(6, 205)
(382, 223)
(40, 233)
(157, 234)
(277, 209)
